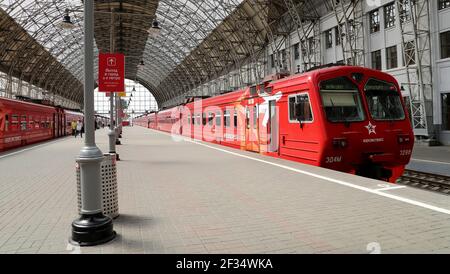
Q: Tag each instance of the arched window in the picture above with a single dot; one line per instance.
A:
(138, 101)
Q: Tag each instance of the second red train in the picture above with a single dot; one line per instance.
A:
(349, 119)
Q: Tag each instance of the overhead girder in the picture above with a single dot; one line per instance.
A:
(40, 20)
(194, 71)
(31, 61)
(221, 40)
(132, 19)
(152, 90)
(201, 40)
(178, 35)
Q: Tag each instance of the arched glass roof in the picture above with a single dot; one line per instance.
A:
(41, 18)
(200, 40)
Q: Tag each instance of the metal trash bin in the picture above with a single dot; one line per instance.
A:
(110, 198)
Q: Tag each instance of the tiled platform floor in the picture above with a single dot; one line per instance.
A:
(183, 197)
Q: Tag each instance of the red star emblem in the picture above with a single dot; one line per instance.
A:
(371, 128)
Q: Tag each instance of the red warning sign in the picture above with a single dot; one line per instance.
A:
(111, 72)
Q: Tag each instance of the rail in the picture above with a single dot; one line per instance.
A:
(423, 180)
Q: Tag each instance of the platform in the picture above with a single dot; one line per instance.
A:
(189, 197)
(435, 160)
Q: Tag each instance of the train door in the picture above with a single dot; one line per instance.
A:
(65, 125)
(57, 124)
(251, 127)
(273, 124)
(247, 128)
(61, 124)
(54, 124)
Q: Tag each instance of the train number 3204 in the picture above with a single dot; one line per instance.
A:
(332, 160)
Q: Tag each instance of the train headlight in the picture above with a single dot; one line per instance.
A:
(340, 142)
(403, 139)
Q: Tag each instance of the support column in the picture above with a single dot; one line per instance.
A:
(92, 228)
(112, 132)
(120, 115)
(117, 120)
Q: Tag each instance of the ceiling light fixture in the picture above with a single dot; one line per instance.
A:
(66, 22)
(155, 30)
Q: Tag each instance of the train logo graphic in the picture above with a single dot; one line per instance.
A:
(371, 128)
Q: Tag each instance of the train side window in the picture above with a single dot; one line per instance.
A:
(14, 122)
(204, 119)
(227, 118)
(235, 118)
(300, 108)
(23, 122)
(6, 122)
(210, 118)
(219, 118)
(31, 122)
(189, 119)
(247, 117)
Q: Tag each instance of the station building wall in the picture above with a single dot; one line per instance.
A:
(387, 38)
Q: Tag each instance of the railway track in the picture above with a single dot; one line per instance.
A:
(433, 182)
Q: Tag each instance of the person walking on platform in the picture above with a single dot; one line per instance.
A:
(80, 127)
(74, 128)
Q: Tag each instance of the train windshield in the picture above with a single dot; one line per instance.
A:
(341, 100)
(384, 101)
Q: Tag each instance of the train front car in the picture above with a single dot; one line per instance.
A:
(367, 130)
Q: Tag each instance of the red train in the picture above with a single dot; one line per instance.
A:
(349, 119)
(23, 123)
